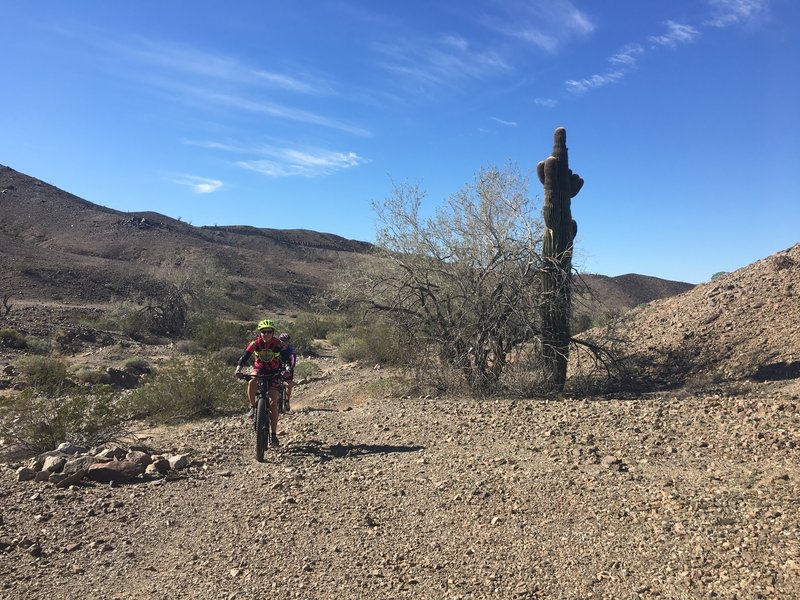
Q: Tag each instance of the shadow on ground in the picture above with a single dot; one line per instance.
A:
(316, 448)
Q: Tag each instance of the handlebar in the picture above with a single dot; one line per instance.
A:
(248, 377)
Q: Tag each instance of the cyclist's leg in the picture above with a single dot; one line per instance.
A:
(252, 387)
(289, 386)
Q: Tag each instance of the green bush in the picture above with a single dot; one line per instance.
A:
(389, 387)
(11, 338)
(377, 343)
(138, 365)
(213, 334)
(307, 368)
(92, 376)
(229, 356)
(41, 423)
(44, 373)
(182, 391)
(308, 327)
(39, 346)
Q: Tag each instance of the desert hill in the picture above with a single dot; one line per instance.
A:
(59, 247)
(745, 325)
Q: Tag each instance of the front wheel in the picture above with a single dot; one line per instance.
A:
(262, 428)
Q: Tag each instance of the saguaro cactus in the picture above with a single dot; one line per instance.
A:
(560, 186)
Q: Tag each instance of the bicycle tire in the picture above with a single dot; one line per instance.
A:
(282, 399)
(262, 427)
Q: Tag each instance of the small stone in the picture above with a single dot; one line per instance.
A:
(179, 461)
(25, 474)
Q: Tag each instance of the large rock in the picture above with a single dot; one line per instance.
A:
(81, 463)
(119, 471)
(140, 457)
(54, 464)
(37, 462)
(71, 479)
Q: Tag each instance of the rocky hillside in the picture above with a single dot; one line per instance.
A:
(57, 246)
(745, 325)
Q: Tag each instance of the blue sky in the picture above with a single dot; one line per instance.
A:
(682, 116)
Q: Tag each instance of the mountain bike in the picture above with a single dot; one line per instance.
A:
(261, 421)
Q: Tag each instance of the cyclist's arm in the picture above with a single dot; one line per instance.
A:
(243, 359)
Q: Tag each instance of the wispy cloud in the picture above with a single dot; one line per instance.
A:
(442, 61)
(546, 102)
(734, 12)
(503, 122)
(193, 61)
(627, 56)
(309, 162)
(579, 86)
(543, 24)
(205, 96)
(677, 33)
(199, 185)
(200, 78)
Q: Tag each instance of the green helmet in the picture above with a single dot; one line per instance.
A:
(266, 324)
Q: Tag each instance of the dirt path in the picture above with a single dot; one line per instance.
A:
(662, 497)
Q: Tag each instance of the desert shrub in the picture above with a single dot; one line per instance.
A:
(376, 343)
(307, 368)
(182, 391)
(308, 327)
(242, 312)
(11, 338)
(43, 373)
(39, 346)
(390, 387)
(213, 334)
(93, 376)
(228, 356)
(39, 423)
(138, 365)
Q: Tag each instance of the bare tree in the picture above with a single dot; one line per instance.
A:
(464, 282)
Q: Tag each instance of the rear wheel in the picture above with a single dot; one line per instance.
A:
(282, 403)
(262, 428)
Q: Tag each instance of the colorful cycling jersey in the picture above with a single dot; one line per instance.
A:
(267, 353)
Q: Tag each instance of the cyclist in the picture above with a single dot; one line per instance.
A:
(288, 361)
(266, 349)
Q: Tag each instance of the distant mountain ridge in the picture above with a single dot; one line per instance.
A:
(57, 246)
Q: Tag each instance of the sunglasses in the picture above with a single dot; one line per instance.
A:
(269, 331)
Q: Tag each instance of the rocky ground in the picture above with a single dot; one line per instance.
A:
(671, 496)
